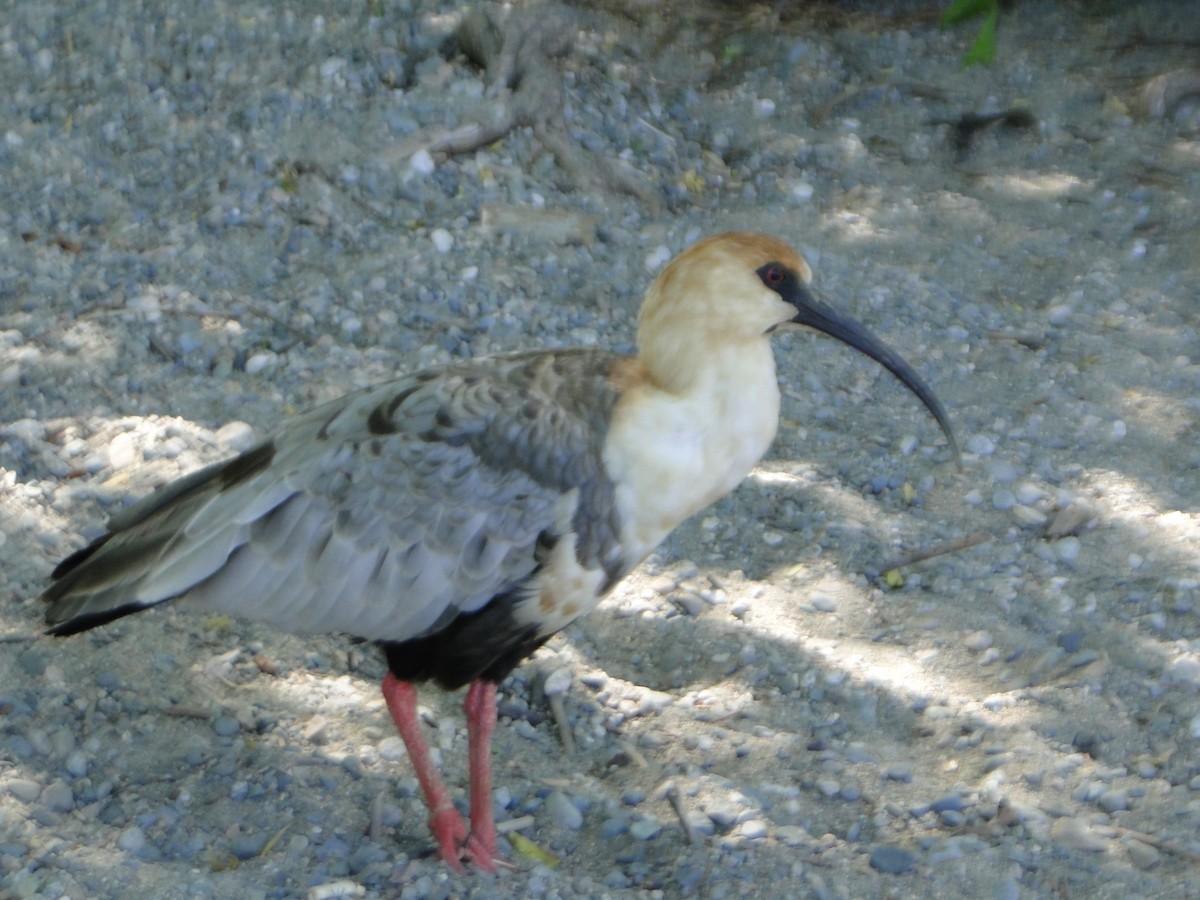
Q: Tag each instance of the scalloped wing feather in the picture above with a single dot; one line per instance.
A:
(381, 514)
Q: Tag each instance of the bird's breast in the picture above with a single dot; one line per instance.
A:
(672, 455)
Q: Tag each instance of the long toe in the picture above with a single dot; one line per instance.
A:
(482, 853)
(450, 831)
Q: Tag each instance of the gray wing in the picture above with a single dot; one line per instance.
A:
(381, 514)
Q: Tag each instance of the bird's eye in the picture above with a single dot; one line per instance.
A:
(773, 276)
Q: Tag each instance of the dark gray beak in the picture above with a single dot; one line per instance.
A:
(819, 315)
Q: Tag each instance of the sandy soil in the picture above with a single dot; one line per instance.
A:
(219, 213)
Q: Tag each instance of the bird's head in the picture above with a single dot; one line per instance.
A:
(740, 286)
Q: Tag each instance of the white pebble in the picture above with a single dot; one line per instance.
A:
(657, 258)
(261, 362)
(442, 239)
(557, 682)
(392, 749)
(236, 436)
(1067, 549)
(754, 829)
(1058, 314)
(1185, 669)
(421, 163)
(121, 451)
(772, 538)
(802, 190)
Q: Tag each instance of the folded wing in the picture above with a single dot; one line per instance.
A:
(383, 514)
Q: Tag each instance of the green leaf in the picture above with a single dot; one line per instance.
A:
(961, 10)
(983, 51)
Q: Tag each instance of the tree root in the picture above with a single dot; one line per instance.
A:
(519, 55)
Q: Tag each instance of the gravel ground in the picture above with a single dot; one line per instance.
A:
(217, 213)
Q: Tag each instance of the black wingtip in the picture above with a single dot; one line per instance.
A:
(78, 557)
(89, 620)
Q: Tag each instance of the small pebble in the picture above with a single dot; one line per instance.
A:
(645, 829)
(59, 797)
(828, 787)
(1001, 471)
(391, 749)
(1185, 669)
(981, 445)
(1028, 516)
(1002, 499)
(443, 241)
(1067, 549)
(557, 682)
(121, 451)
(261, 362)
(1070, 520)
(634, 797)
(564, 813)
(1028, 494)
(422, 162)
(791, 835)
(1114, 801)
(899, 771)
(754, 829)
(723, 815)
(77, 764)
(978, 641)
(952, 818)
(24, 789)
(952, 802)
(892, 860)
(132, 839)
(1074, 834)
(248, 845)
(1142, 855)
(614, 827)
(823, 602)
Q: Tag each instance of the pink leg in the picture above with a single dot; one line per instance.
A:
(447, 825)
(480, 707)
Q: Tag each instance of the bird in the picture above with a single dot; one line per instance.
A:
(459, 516)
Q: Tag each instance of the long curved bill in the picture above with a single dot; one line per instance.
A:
(820, 315)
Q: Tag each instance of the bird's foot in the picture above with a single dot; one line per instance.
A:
(456, 845)
(481, 852)
(450, 831)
